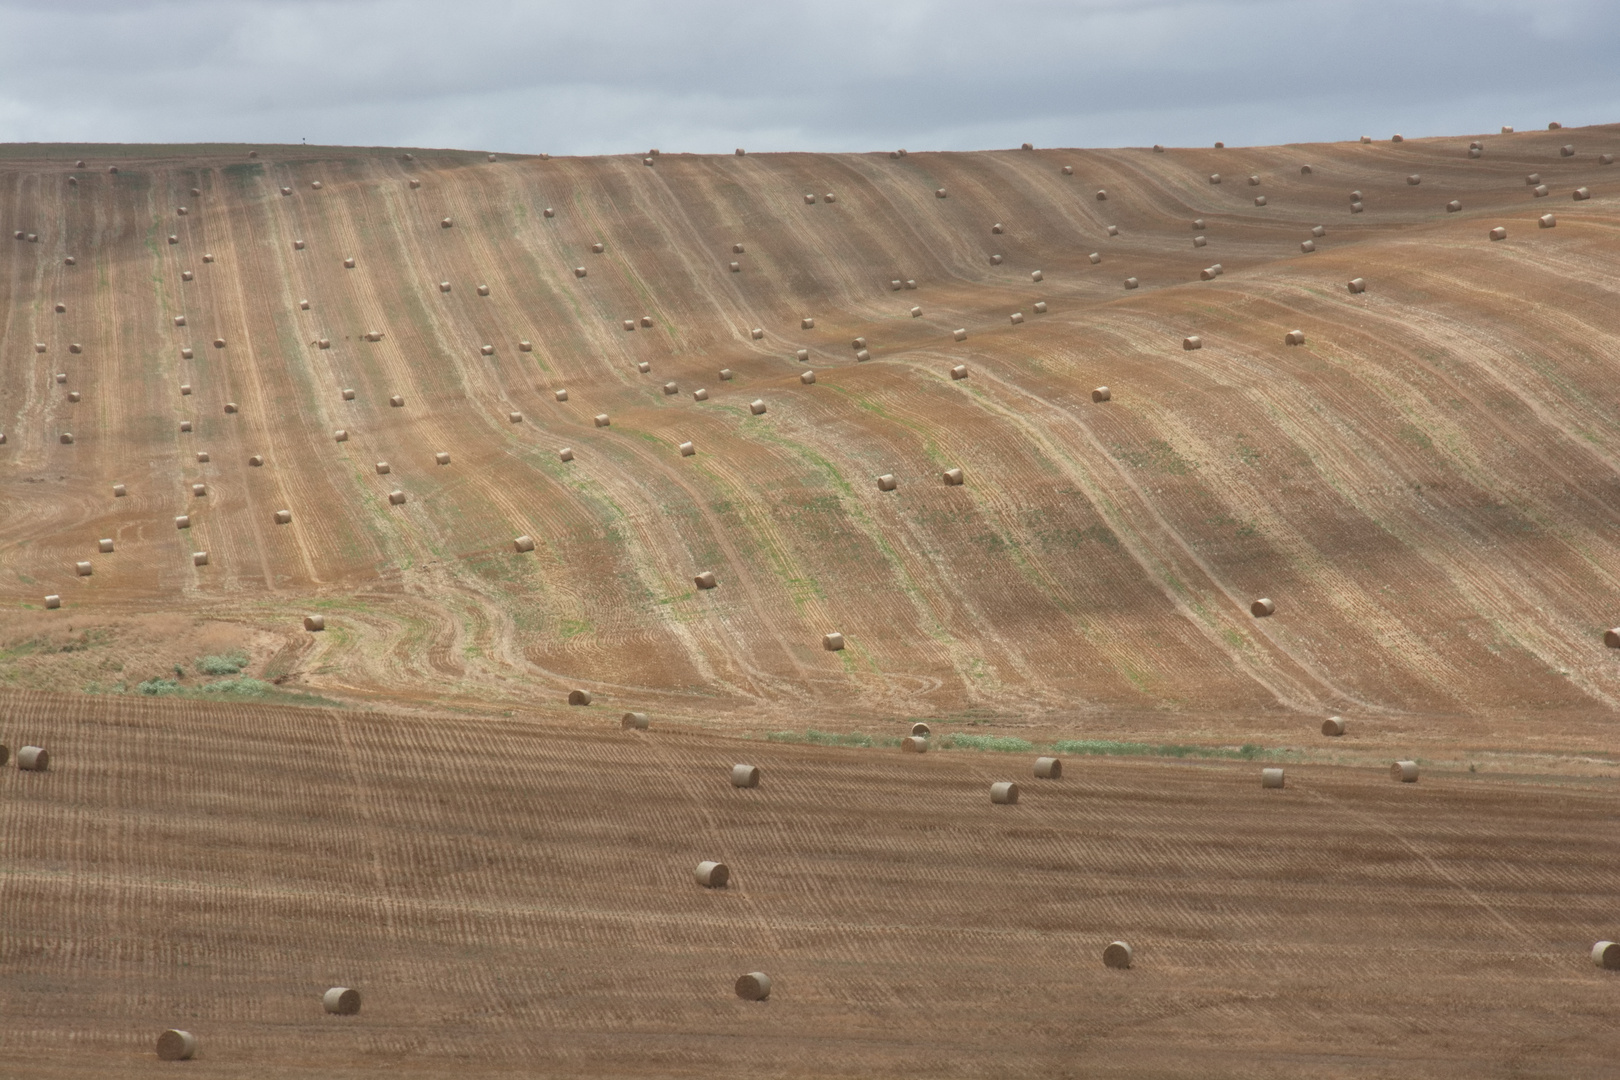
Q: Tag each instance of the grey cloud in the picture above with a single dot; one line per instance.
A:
(622, 75)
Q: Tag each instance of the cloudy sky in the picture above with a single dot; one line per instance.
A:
(616, 76)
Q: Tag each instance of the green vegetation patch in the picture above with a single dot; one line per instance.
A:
(224, 664)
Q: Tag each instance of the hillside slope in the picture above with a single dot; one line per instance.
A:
(1427, 488)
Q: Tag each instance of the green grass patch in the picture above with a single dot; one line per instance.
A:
(1006, 744)
(224, 664)
(831, 738)
(1114, 748)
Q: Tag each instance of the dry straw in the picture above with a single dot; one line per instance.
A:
(745, 776)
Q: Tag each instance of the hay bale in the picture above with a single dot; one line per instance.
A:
(298, 245)
(601, 420)
(633, 721)
(996, 228)
(756, 333)
(1191, 343)
(726, 374)
(809, 199)
(348, 264)
(1475, 152)
(487, 350)
(862, 357)
(445, 223)
(256, 460)
(1606, 955)
(1199, 241)
(705, 580)
(952, 477)
(1112, 230)
(1294, 337)
(687, 449)
(745, 776)
(1220, 146)
(895, 285)
(1004, 793)
(1567, 150)
(914, 744)
(283, 517)
(1581, 194)
(1540, 191)
(710, 875)
(1603, 159)
(442, 458)
(1040, 307)
(807, 323)
(53, 601)
(514, 418)
(185, 389)
(1036, 275)
(232, 407)
(199, 558)
(525, 346)
(1259, 200)
(1048, 768)
(959, 334)
(736, 268)
(1307, 246)
(829, 197)
(807, 377)
(1132, 283)
(1547, 221)
(176, 1045)
(73, 396)
(523, 543)
(916, 313)
(579, 271)
(60, 308)
(340, 435)
(83, 569)
(1305, 170)
(314, 623)
(1271, 778)
(483, 290)
(1101, 394)
(911, 283)
(208, 258)
(1532, 179)
(1215, 178)
(1102, 195)
(1357, 285)
(1397, 138)
(832, 642)
(579, 697)
(286, 191)
(995, 260)
(1016, 317)
(1498, 233)
(1356, 208)
(1453, 206)
(1404, 772)
(396, 402)
(1118, 955)
(887, 482)
(700, 395)
(562, 395)
(756, 407)
(939, 193)
(71, 261)
(348, 394)
(383, 468)
(1263, 608)
(396, 498)
(1333, 726)
(341, 1001)
(1507, 129)
(303, 305)
(1157, 148)
(104, 546)
(630, 325)
(755, 986)
(185, 425)
(182, 521)
(671, 389)
(415, 184)
(566, 453)
(174, 239)
(444, 286)
(549, 212)
(315, 185)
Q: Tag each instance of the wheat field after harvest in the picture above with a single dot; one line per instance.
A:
(970, 610)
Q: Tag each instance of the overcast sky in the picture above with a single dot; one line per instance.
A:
(618, 76)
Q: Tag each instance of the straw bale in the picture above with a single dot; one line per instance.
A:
(756, 407)
(579, 271)
(1048, 768)
(1606, 955)
(671, 389)
(525, 346)
(1040, 307)
(1029, 146)
(1193, 342)
(1333, 726)
(1068, 170)
(1004, 793)
(1307, 246)
(340, 435)
(199, 558)
(1214, 178)
(939, 193)
(1271, 778)
(1036, 275)
(514, 417)
(1567, 150)
(745, 776)
(646, 320)
(911, 283)
(1498, 233)
(1404, 772)
(736, 268)
(829, 197)
(700, 395)
(53, 601)
(1318, 232)
(442, 458)
(314, 623)
(895, 285)
(104, 546)
(755, 986)
(1102, 195)
(1016, 317)
(383, 468)
(809, 200)
(73, 396)
(1263, 607)
(952, 477)
(1112, 230)
(1101, 394)
(444, 286)
(315, 184)
(1259, 200)
(341, 1001)
(1540, 191)
(887, 482)
(1199, 241)
(415, 184)
(303, 305)
(710, 875)
(1357, 285)
(219, 343)
(1581, 194)
(396, 497)
(807, 323)
(487, 350)
(183, 521)
(726, 374)
(566, 453)
(832, 642)
(579, 697)
(921, 728)
(601, 420)
(1603, 159)
(256, 460)
(633, 721)
(643, 367)
(756, 333)
(687, 449)
(176, 1045)
(807, 377)
(1305, 170)
(916, 313)
(83, 569)
(959, 334)
(523, 543)
(705, 580)
(1119, 954)
(283, 517)
(1131, 283)
(995, 260)
(549, 212)
(185, 425)
(1547, 221)
(1397, 138)
(1294, 337)
(914, 744)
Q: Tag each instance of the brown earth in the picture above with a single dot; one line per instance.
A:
(515, 898)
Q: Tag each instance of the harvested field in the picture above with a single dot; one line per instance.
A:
(507, 892)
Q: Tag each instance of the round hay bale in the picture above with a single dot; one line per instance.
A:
(444, 286)
(176, 1045)
(705, 580)
(630, 325)
(1305, 170)
(1453, 206)
(1132, 283)
(1532, 179)
(1259, 200)
(514, 418)
(523, 543)
(1318, 231)
(1040, 307)
(916, 313)
(487, 350)
(1016, 317)
(1199, 241)
(182, 521)
(756, 333)
(185, 425)
(896, 285)
(1004, 793)
(1118, 955)
(687, 449)
(1606, 955)
(73, 396)
(83, 569)
(1215, 178)
(671, 389)
(959, 334)
(1567, 150)
(601, 420)
(1254, 181)
(952, 477)
(396, 498)
(314, 623)
(1355, 196)
(340, 435)
(736, 268)
(53, 601)
(549, 212)
(726, 374)
(832, 642)
(323, 343)
(710, 875)
(911, 283)
(1307, 246)
(862, 357)
(1405, 772)
(1498, 233)
(886, 482)
(483, 290)
(1294, 337)
(415, 184)
(283, 517)
(71, 261)
(1356, 208)
(1158, 149)
(579, 697)
(256, 460)
(1263, 608)
(445, 223)
(396, 402)
(185, 389)
(1048, 768)
(1547, 221)
(579, 271)
(348, 264)
(939, 193)
(1112, 230)
(1475, 152)
(829, 197)
(1036, 275)
(1611, 638)
(995, 260)
(1581, 194)
(348, 394)
(199, 490)
(807, 323)
(741, 152)
(1191, 343)
(1333, 726)
(1101, 394)
(232, 407)
(745, 776)
(60, 308)
(566, 453)
(104, 546)
(174, 239)
(1397, 138)
(1540, 191)
(807, 377)
(562, 395)
(5, 754)
(298, 245)
(525, 346)
(1603, 159)
(207, 258)
(1271, 778)
(199, 558)
(341, 1001)
(442, 458)
(914, 744)
(756, 407)
(996, 228)
(1357, 285)
(303, 305)
(700, 394)
(633, 721)
(1507, 129)
(1102, 195)
(383, 468)
(1220, 146)
(755, 986)
(286, 191)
